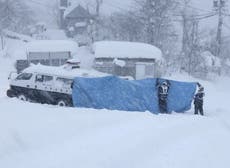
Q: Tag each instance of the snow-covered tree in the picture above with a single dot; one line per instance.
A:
(15, 15)
(156, 17)
(126, 26)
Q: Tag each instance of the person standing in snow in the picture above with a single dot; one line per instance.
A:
(163, 89)
(198, 100)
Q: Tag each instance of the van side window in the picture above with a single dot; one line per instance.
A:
(39, 78)
(43, 78)
(47, 78)
(64, 82)
(24, 76)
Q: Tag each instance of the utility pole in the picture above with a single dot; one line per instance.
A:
(2, 42)
(193, 44)
(219, 6)
(185, 36)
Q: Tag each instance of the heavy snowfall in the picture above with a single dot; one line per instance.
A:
(194, 48)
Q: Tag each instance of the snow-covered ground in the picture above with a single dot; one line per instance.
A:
(45, 136)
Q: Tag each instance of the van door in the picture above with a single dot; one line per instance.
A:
(22, 80)
(63, 85)
(44, 88)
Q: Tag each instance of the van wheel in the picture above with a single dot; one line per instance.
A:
(10, 93)
(22, 97)
(62, 103)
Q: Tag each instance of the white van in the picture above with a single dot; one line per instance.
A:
(46, 84)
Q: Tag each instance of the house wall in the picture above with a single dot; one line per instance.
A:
(106, 65)
(70, 22)
(49, 58)
(44, 58)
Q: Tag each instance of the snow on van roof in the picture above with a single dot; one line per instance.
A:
(123, 49)
(63, 71)
(52, 46)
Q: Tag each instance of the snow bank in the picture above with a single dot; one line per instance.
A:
(16, 49)
(120, 49)
(14, 35)
(2, 53)
(55, 34)
(6, 66)
(36, 135)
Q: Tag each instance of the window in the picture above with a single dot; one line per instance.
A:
(63, 82)
(24, 76)
(45, 62)
(47, 78)
(38, 55)
(39, 78)
(43, 78)
(60, 55)
(35, 61)
(63, 61)
(55, 62)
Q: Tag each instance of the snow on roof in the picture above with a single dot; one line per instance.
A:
(121, 49)
(63, 71)
(73, 6)
(70, 9)
(52, 46)
(210, 59)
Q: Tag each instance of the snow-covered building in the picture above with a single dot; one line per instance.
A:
(75, 19)
(138, 60)
(48, 52)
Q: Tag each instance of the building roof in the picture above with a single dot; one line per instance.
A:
(122, 49)
(52, 46)
(75, 11)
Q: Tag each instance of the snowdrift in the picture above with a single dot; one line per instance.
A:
(137, 95)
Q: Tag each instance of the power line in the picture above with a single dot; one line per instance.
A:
(195, 8)
(191, 17)
(197, 15)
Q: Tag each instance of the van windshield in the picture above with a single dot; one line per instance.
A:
(24, 76)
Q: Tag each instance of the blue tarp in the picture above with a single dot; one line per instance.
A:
(130, 95)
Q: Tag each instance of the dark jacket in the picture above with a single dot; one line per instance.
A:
(163, 90)
(198, 98)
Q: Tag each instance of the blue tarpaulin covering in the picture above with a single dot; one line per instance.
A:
(130, 95)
